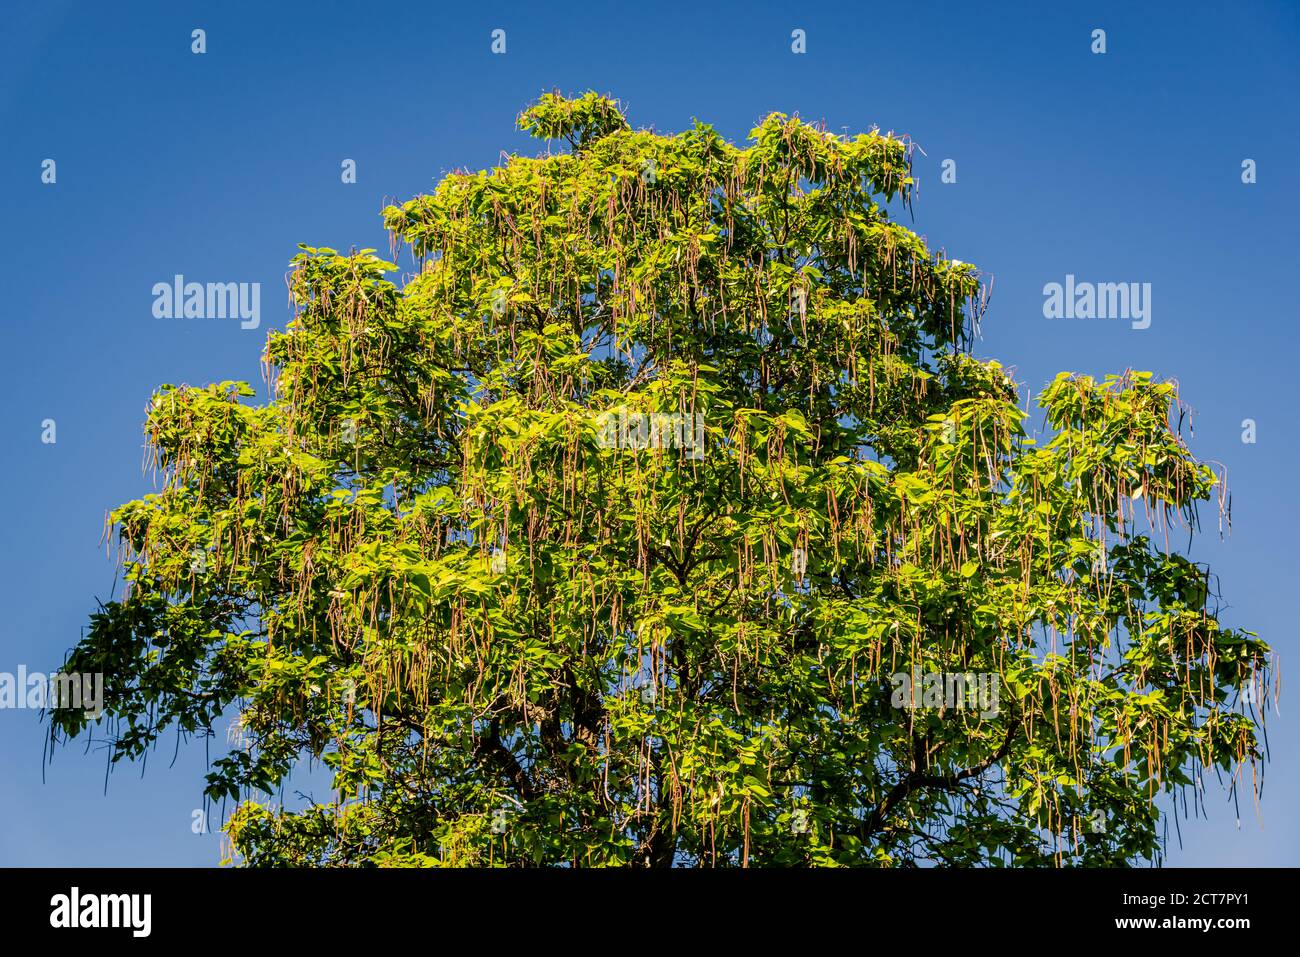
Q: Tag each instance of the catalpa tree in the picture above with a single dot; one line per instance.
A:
(649, 521)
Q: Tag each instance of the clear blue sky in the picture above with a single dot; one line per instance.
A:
(1123, 167)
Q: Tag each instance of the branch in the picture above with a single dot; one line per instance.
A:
(916, 780)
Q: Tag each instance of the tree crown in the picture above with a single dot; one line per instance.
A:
(652, 520)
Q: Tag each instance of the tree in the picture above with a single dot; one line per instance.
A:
(659, 519)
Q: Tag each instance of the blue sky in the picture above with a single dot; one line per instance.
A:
(1122, 167)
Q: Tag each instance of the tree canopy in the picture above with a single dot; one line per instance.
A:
(516, 633)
